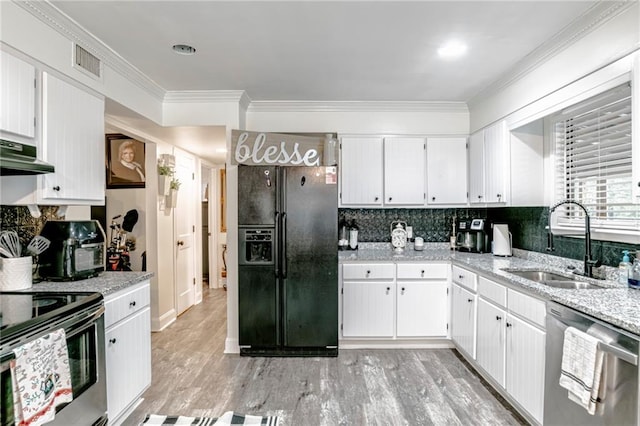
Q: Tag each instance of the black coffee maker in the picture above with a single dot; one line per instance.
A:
(471, 235)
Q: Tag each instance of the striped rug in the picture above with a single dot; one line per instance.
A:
(228, 418)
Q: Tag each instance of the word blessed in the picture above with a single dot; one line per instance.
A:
(273, 153)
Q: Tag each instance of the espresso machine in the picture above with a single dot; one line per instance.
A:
(471, 235)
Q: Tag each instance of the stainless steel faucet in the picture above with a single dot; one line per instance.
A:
(589, 263)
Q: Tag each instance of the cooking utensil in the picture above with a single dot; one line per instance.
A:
(37, 245)
(4, 252)
(10, 242)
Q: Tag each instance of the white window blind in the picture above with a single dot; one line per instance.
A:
(593, 161)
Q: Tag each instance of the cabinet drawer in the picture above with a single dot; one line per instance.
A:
(527, 307)
(368, 271)
(422, 271)
(492, 291)
(125, 303)
(465, 278)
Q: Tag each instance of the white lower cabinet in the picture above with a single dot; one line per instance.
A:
(525, 346)
(490, 351)
(387, 300)
(368, 309)
(511, 343)
(127, 349)
(463, 319)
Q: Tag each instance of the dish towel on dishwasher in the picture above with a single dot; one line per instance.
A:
(581, 370)
(41, 379)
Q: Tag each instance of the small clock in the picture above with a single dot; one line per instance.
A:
(398, 237)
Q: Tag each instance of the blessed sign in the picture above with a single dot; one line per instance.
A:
(254, 148)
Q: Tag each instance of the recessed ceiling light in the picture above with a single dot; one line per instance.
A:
(184, 49)
(452, 49)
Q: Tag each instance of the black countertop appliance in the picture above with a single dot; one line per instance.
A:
(77, 250)
(471, 235)
(287, 261)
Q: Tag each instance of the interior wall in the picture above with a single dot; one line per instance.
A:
(119, 202)
(600, 44)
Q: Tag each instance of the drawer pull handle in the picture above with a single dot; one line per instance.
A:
(460, 276)
(469, 300)
(422, 273)
(112, 341)
(132, 304)
(402, 289)
(390, 198)
(376, 199)
(388, 290)
(368, 272)
(498, 317)
(508, 324)
(56, 188)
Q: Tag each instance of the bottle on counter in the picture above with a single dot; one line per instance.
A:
(624, 268)
(343, 235)
(353, 235)
(634, 274)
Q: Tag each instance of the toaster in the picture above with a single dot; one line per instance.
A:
(77, 250)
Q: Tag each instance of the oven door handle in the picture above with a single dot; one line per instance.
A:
(85, 323)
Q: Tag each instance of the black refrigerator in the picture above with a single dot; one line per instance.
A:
(287, 261)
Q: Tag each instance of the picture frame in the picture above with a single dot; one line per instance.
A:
(125, 162)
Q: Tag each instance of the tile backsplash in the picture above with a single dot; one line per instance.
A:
(527, 226)
(18, 218)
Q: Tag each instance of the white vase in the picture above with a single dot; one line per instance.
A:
(171, 200)
(164, 184)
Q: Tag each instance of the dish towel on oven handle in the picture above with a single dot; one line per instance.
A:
(41, 379)
(581, 370)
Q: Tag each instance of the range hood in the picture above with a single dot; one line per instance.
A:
(20, 159)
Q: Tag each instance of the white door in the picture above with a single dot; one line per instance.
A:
(404, 171)
(525, 365)
(490, 345)
(422, 309)
(184, 224)
(367, 309)
(361, 171)
(476, 167)
(447, 170)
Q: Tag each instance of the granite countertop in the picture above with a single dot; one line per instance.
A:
(614, 303)
(107, 282)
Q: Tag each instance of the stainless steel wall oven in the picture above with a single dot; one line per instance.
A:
(26, 316)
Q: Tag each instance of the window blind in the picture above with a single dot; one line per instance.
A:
(593, 161)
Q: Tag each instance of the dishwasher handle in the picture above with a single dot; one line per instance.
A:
(613, 349)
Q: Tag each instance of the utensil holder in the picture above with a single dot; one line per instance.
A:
(16, 273)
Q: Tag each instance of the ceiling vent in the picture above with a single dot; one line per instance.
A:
(87, 61)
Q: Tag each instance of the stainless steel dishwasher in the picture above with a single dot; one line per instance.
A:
(619, 405)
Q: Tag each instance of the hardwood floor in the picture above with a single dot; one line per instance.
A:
(192, 376)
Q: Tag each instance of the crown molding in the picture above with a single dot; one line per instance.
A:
(195, 96)
(589, 21)
(357, 106)
(52, 16)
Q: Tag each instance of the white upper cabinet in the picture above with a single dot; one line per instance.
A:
(18, 99)
(489, 164)
(73, 141)
(404, 171)
(446, 170)
(361, 171)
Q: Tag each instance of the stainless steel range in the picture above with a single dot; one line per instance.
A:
(26, 316)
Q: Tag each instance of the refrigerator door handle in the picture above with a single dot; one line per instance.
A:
(276, 246)
(283, 249)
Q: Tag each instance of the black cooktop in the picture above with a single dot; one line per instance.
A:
(22, 311)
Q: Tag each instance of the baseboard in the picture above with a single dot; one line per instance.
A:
(395, 344)
(159, 324)
(126, 413)
(231, 346)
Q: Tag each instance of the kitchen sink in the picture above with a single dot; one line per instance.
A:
(539, 275)
(551, 279)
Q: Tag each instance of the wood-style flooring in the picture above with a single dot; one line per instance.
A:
(192, 376)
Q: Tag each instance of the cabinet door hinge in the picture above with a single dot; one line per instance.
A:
(193, 228)
(193, 176)
(466, 145)
(447, 326)
(447, 292)
(194, 281)
(341, 326)
(342, 291)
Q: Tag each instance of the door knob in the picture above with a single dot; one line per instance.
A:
(180, 243)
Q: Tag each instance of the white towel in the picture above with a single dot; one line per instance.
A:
(581, 372)
(41, 379)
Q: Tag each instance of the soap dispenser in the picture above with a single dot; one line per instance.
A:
(624, 268)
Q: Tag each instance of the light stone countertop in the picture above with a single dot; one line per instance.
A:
(107, 282)
(614, 303)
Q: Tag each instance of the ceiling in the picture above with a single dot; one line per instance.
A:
(326, 50)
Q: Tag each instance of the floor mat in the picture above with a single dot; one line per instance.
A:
(228, 418)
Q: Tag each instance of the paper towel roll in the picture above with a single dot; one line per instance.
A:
(15, 273)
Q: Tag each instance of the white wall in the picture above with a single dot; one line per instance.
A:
(600, 44)
(119, 202)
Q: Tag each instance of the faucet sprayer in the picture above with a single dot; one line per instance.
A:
(589, 263)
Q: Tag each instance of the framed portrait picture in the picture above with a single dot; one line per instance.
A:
(125, 162)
